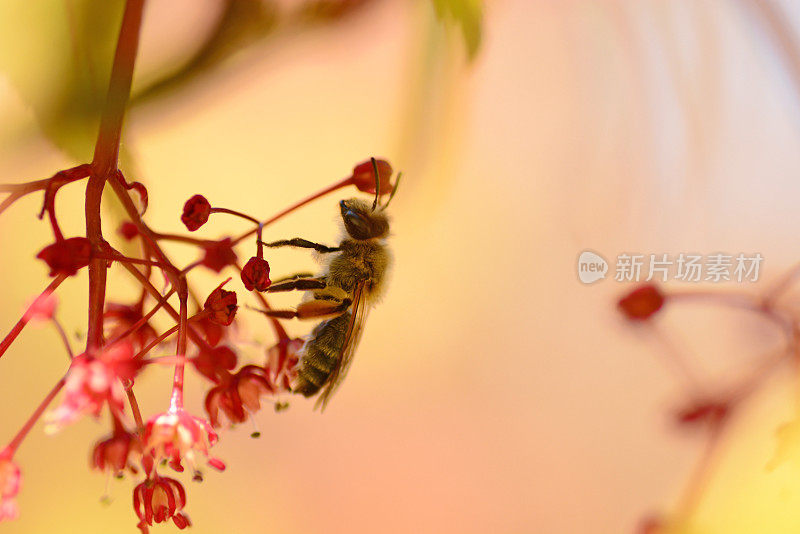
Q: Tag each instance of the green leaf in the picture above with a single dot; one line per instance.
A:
(468, 14)
(57, 55)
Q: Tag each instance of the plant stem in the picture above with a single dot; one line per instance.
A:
(16, 440)
(176, 399)
(104, 163)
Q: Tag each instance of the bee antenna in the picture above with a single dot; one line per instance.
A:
(377, 183)
(394, 190)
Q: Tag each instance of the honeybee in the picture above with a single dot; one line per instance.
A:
(352, 280)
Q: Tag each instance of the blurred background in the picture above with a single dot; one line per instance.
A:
(492, 391)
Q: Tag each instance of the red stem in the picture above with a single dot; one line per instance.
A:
(11, 336)
(137, 414)
(104, 163)
(176, 400)
(338, 185)
(16, 440)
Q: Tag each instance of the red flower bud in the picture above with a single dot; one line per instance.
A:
(219, 254)
(640, 304)
(128, 230)
(67, 256)
(222, 305)
(364, 176)
(195, 212)
(255, 274)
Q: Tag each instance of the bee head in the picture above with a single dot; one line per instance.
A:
(361, 222)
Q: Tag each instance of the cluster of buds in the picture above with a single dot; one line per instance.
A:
(122, 338)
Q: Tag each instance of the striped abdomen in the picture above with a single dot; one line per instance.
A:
(321, 355)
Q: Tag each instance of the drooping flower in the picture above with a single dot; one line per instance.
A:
(238, 395)
(221, 305)
(10, 481)
(255, 274)
(213, 332)
(363, 176)
(195, 212)
(641, 303)
(219, 254)
(176, 435)
(159, 499)
(116, 451)
(215, 363)
(281, 364)
(92, 381)
(67, 256)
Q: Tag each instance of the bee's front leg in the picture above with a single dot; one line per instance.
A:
(301, 243)
(300, 284)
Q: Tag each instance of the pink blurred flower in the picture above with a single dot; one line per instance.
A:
(92, 382)
(42, 308)
(177, 435)
(10, 481)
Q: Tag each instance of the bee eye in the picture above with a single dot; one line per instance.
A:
(356, 225)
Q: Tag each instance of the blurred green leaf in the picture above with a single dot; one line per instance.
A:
(468, 14)
(57, 55)
(240, 24)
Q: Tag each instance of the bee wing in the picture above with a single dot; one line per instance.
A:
(358, 315)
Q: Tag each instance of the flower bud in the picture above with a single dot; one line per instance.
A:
(195, 212)
(364, 176)
(641, 303)
(255, 274)
(222, 306)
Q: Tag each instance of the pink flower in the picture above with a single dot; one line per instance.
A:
(177, 435)
(10, 481)
(160, 499)
(92, 382)
(42, 308)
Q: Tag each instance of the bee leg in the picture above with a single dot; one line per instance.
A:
(314, 309)
(301, 243)
(293, 277)
(301, 284)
